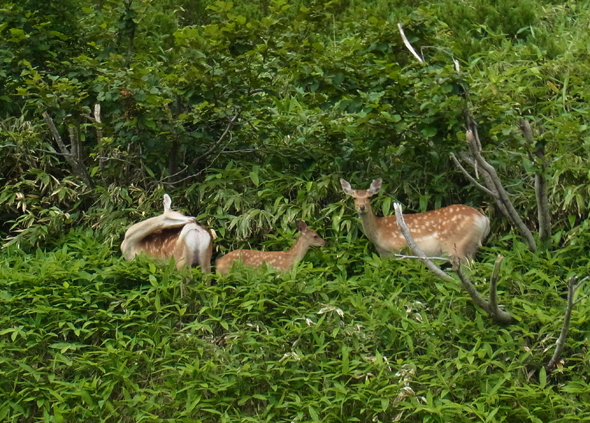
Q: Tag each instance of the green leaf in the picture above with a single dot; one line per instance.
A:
(542, 377)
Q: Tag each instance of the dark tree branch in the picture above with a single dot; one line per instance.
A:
(541, 191)
(560, 344)
(77, 166)
(223, 135)
(489, 307)
(474, 144)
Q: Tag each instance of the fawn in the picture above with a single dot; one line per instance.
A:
(280, 260)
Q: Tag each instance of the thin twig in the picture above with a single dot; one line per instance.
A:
(471, 178)
(223, 135)
(403, 256)
(174, 175)
(202, 170)
(413, 246)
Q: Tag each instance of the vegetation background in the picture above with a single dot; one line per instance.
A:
(247, 114)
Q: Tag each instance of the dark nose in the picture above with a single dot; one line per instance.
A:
(362, 208)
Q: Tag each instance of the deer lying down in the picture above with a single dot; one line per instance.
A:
(171, 234)
(280, 260)
(456, 230)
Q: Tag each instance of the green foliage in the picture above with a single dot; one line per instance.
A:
(86, 335)
(247, 114)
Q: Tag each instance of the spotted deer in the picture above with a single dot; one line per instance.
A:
(456, 230)
(171, 234)
(280, 260)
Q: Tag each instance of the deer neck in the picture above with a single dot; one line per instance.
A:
(370, 224)
(298, 250)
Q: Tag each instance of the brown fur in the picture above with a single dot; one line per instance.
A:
(456, 230)
(170, 235)
(280, 260)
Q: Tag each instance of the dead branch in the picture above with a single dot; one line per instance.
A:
(404, 256)
(471, 178)
(408, 45)
(101, 161)
(413, 246)
(77, 166)
(491, 307)
(474, 144)
(541, 192)
(560, 344)
(494, 282)
(487, 179)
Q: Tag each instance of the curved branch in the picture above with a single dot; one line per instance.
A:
(491, 307)
(408, 45)
(560, 344)
(471, 178)
(541, 193)
(474, 144)
(413, 246)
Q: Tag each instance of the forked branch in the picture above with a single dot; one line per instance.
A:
(493, 182)
(541, 192)
(73, 160)
(571, 291)
(490, 307)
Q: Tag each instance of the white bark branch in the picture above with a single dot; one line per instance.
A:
(408, 45)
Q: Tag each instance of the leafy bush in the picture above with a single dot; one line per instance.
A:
(247, 115)
(86, 334)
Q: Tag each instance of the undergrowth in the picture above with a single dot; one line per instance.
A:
(88, 336)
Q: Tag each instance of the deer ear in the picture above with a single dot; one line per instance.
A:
(346, 187)
(301, 226)
(375, 186)
(167, 203)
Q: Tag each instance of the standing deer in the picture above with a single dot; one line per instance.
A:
(171, 234)
(280, 260)
(455, 230)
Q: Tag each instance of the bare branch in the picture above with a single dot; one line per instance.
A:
(407, 43)
(560, 344)
(77, 167)
(494, 312)
(474, 144)
(223, 135)
(541, 192)
(494, 282)
(413, 246)
(98, 121)
(403, 256)
(205, 168)
(471, 178)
